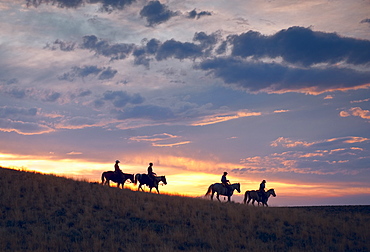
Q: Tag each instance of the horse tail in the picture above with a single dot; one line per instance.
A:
(102, 177)
(209, 190)
(246, 196)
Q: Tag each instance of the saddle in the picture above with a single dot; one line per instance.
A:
(147, 180)
(261, 195)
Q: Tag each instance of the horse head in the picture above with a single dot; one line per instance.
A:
(238, 187)
(272, 192)
(163, 179)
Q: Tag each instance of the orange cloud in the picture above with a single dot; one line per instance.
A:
(24, 128)
(286, 142)
(281, 111)
(356, 140)
(359, 101)
(356, 111)
(315, 90)
(224, 117)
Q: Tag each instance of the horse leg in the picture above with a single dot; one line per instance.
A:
(218, 197)
(140, 188)
(228, 198)
(212, 195)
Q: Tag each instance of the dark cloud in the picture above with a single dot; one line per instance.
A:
(10, 112)
(222, 48)
(152, 46)
(16, 93)
(121, 98)
(81, 72)
(151, 112)
(111, 5)
(196, 15)
(367, 20)
(142, 60)
(140, 57)
(59, 3)
(61, 45)
(108, 73)
(9, 81)
(299, 45)
(52, 97)
(86, 70)
(172, 48)
(206, 41)
(106, 5)
(98, 104)
(102, 47)
(84, 93)
(274, 77)
(156, 13)
(142, 54)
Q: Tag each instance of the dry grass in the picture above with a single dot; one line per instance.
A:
(48, 213)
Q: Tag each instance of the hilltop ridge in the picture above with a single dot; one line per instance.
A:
(44, 212)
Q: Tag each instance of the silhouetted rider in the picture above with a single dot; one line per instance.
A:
(225, 182)
(117, 170)
(152, 175)
(261, 191)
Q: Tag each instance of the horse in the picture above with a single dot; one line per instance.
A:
(145, 180)
(254, 196)
(119, 179)
(220, 189)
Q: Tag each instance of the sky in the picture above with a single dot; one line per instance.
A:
(274, 90)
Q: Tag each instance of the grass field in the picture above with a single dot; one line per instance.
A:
(49, 213)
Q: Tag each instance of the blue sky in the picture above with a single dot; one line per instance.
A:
(275, 90)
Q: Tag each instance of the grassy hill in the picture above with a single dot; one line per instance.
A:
(49, 213)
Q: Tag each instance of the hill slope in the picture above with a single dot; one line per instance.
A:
(49, 213)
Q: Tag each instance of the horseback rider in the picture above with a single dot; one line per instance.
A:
(117, 170)
(225, 182)
(261, 191)
(152, 175)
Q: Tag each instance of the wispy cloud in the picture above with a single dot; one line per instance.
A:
(170, 144)
(153, 138)
(289, 143)
(161, 140)
(281, 111)
(212, 119)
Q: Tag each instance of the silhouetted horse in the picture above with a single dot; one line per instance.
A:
(145, 180)
(254, 196)
(220, 189)
(119, 179)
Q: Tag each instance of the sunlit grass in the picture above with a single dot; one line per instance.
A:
(51, 213)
